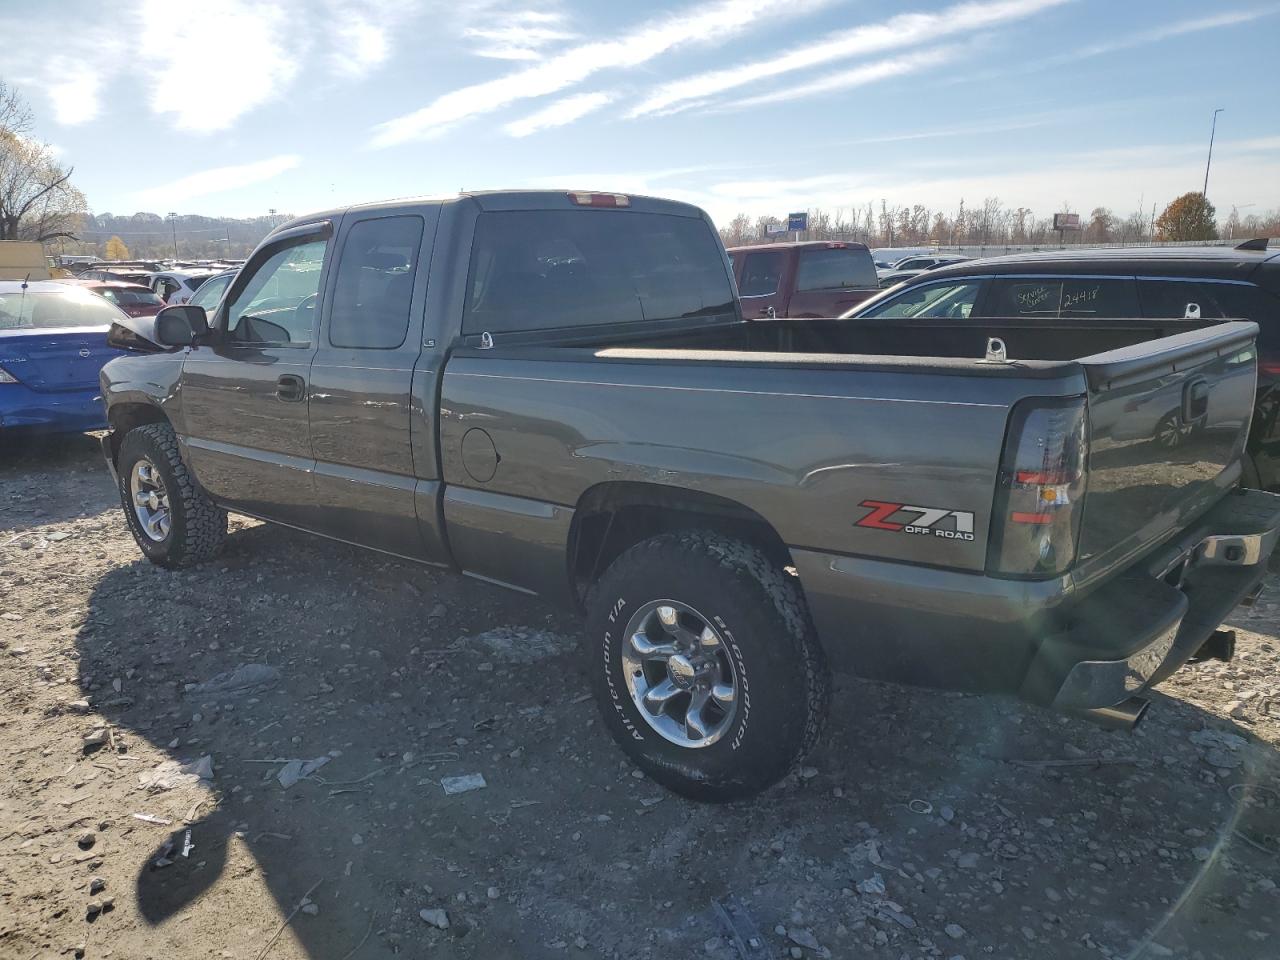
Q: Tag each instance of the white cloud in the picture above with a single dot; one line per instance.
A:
(516, 35)
(218, 180)
(360, 46)
(211, 64)
(903, 30)
(857, 77)
(558, 114)
(75, 93)
(1228, 19)
(706, 24)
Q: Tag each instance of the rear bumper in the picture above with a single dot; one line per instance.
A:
(1142, 626)
(1043, 640)
(30, 411)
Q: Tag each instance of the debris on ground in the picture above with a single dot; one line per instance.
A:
(520, 644)
(296, 770)
(171, 774)
(463, 784)
(436, 917)
(246, 678)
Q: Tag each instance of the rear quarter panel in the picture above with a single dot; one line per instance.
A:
(802, 447)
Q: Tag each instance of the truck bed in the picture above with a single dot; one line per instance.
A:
(1025, 338)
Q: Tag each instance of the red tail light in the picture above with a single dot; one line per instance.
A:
(1036, 524)
(600, 199)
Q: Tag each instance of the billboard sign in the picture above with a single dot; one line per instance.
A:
(797, 221)
(1066, 221)
(773, 229)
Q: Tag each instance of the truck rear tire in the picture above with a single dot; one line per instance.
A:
(706, 665)
(173, 521)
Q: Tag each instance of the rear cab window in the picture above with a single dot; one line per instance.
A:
(548, 269)
(837, 267)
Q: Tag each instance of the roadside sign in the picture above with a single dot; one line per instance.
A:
(773, 229)
(797, 222)
(1066, 221)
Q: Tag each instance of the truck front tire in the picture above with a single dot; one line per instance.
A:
(173, 521)
(705, 664)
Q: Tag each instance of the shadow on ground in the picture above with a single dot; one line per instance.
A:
(1035, 835)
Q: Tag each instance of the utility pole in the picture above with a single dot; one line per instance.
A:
(172, 217)
(1212, 130)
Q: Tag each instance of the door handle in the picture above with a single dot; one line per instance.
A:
(291, 388)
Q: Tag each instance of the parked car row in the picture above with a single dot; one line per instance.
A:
(909, 267)
(53, 343)
(173, 284)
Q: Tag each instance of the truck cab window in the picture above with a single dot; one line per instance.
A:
(375, 284)
(277, 305)
(834, 268)
(760, 274)
(547, 269)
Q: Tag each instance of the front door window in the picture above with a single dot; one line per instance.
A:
(277, 305)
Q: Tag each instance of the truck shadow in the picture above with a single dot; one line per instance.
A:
(402, 676)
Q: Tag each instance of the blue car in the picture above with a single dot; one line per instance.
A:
(53, 342)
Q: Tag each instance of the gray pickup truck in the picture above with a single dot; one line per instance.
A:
(557, 392)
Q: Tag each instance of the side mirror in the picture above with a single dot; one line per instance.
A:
(181, 325)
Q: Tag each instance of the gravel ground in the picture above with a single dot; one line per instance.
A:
(928, 825)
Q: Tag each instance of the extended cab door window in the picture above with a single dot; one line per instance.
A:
(375, 284)
(277, 305)
(950, 300)
(760, 274)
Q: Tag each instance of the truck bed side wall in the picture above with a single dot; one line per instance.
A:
(802, 446)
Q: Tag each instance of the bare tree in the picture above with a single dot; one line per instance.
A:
(37, 200)
(15, 114)
(738, 231)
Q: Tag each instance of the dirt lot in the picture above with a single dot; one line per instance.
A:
(927, 825)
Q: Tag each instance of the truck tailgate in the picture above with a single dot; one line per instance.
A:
(1167, 424)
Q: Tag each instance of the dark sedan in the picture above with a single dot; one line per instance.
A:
(1146, 285)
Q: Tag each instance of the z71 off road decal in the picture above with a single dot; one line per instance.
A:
(906, 518)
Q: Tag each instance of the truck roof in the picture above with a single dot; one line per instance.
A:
(801, 245)
(505, 200)
(1219, 262)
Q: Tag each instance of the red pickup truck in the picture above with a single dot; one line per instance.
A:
(817, 278)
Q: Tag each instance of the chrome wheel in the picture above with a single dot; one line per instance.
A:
(150, 500)
(679, 673)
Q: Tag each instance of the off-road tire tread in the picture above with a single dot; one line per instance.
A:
(204, 524)
(780, 586)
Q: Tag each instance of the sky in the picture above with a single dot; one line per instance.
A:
(236, 107)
